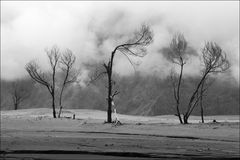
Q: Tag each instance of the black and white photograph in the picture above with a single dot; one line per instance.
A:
(124, 80)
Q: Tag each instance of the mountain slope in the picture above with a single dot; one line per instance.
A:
(139, 95)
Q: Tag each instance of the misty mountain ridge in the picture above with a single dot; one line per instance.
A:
(139, 95)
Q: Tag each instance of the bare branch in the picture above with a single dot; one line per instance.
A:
(214, 58)
(136, 45)
(129, 60)
(96, 76)
(53, 56)
(172, 78)
(36, 74)
(115, 93)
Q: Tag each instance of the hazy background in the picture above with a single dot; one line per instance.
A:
(89, 28)
(92, 30)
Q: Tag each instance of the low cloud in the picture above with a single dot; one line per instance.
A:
(92, 29)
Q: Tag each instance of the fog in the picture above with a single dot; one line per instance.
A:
(92, 29)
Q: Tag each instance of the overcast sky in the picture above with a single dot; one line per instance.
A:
(27, 28)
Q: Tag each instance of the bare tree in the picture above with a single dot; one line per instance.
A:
(67, 61)
(215, 61)
(177, 55)
(19, 92)
(136, 46)
(41, 78)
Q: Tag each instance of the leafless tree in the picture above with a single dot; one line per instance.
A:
(67, 61)
(19, 92)
(40, 77)
(177, 55)
(215, 61)
(136, 46)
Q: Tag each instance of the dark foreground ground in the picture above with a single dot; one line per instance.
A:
(41, 137)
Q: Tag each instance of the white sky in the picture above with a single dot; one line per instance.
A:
(27, 28)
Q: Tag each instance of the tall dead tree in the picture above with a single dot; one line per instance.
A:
(177, 55)
(41, 77)
(136, 47)
(19, 92)
(215, 61)
(67, 61)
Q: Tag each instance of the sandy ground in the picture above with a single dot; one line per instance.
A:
(34, 134)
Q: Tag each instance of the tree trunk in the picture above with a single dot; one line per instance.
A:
(185, 119)
(179, 115)
(201, 102)
(54, 112)
(178, 94)
(109, 99)
(109, 113)
(60, 111)
(15, 100)
(193, 97)
(53, 92)
(60, 101)
(15, 106)
(53, 105)
(61, 94)
(202, 114)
